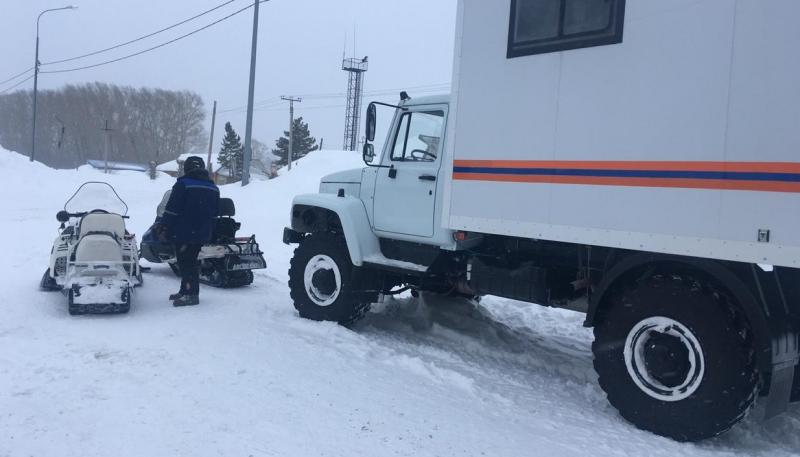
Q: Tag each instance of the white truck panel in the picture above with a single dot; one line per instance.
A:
(522, 122)
(684, 138)
(764, 120)
(661, 93)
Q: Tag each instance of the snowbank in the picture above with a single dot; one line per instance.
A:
(263, 206)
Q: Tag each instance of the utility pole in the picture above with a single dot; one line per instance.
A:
(211, 138)
(248, 134)
(290, 154)
(35, 92)
(108, 143)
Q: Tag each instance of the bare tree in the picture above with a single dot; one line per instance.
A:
(149, 124)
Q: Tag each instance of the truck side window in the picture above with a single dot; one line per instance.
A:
(541, 26)
(418, 136)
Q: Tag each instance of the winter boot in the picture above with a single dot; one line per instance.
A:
(174, 297)
(186, 300)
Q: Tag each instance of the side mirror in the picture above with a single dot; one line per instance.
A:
(62, 216)
(369, 153)
(372, 118)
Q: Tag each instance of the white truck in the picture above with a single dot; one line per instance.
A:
(637, 160)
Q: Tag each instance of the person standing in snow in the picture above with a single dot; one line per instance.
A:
(188, 221)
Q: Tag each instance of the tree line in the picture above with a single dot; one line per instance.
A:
(147, 124)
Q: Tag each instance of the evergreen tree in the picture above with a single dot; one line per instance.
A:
(231, 156)
(303, 142)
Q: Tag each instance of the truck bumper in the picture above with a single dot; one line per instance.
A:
(291, 236)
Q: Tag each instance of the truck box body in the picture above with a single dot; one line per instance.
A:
(684, 138)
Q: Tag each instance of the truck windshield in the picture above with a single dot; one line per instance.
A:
(418, 136)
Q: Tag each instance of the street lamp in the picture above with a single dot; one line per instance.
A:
(36, 76)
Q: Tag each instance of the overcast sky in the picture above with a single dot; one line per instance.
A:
(409, 44)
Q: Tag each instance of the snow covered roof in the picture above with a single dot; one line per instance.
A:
(168, 166)
(172, 166)
(101, 164)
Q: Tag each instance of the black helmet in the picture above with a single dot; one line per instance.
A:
(193, 163)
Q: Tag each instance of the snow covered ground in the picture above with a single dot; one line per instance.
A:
(243, 375)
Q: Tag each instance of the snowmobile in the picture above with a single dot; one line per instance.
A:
(94, 260)
(227, 261)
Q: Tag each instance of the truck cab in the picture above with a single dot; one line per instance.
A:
(407, 174)
(389, 212)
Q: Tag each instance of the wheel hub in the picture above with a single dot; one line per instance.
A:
(664, 359)
(322, 280)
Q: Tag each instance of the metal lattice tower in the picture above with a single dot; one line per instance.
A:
(355, 93)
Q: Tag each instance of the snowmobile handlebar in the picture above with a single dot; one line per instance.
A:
(65, 216)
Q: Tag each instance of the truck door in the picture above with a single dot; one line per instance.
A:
(405, 194)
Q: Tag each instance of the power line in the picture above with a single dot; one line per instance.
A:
(426, 88)
(275, 101)
(15, 76)
(16, 85)
(305, 108)
(140, 38)
(86, 67)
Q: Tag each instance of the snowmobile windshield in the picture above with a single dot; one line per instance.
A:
(96, 196)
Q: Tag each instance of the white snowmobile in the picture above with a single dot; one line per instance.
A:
(94, 260)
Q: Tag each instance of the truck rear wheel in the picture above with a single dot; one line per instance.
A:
(675, 357)
(324, 283)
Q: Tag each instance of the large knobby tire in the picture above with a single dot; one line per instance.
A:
(675, 357)
(325, 285)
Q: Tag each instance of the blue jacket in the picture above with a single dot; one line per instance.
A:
(192, 208)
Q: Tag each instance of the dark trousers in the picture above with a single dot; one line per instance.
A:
(186, 255)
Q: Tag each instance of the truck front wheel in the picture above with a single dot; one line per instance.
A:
(675, 357)
(325, 285)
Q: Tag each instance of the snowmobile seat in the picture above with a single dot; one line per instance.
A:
(98, 248)
(94, 223)
(225, 227)
(226, 207)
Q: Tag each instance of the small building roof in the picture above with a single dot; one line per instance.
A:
(173, 165)
(127, 166)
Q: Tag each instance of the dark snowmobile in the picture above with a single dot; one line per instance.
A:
(228, 261)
